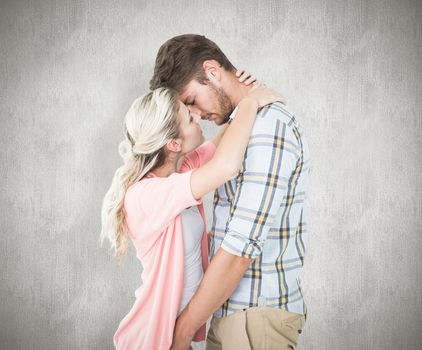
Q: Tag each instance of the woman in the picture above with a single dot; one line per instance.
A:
(155, 201)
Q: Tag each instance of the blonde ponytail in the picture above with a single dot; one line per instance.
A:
(150, 122)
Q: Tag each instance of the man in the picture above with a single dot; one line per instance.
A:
(258, 243)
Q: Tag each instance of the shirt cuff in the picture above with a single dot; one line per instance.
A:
(236, 244)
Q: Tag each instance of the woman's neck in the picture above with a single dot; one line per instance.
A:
(171, 166)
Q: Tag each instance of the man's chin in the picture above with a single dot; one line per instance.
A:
(219, 121)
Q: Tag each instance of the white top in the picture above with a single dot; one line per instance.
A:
(193, 229)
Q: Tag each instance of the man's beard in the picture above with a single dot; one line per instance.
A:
(224, 103)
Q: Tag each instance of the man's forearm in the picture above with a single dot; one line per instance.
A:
(219, 282)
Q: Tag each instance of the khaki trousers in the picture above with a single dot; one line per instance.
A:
(257, 328)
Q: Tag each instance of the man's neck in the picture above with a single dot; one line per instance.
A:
(236, 90)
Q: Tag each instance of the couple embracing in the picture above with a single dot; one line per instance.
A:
(245, 272)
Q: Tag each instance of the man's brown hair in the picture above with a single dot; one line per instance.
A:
(179, 60)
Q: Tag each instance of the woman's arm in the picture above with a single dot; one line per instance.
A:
(230, 152)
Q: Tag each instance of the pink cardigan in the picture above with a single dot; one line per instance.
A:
(152, 209)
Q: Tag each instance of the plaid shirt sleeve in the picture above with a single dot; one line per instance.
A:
(271, 160)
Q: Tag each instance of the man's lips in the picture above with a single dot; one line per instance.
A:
(208, 117)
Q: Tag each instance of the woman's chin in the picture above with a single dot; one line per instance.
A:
(196, 145)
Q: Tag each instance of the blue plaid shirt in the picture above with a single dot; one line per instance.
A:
(261, 214)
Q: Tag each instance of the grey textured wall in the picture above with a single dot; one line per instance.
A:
(351, 70)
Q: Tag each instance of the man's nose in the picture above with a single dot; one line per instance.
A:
(194, 110)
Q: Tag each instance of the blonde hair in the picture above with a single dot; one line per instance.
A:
(150, 122)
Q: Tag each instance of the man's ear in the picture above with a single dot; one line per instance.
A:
(174, 145)
(212, 70)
